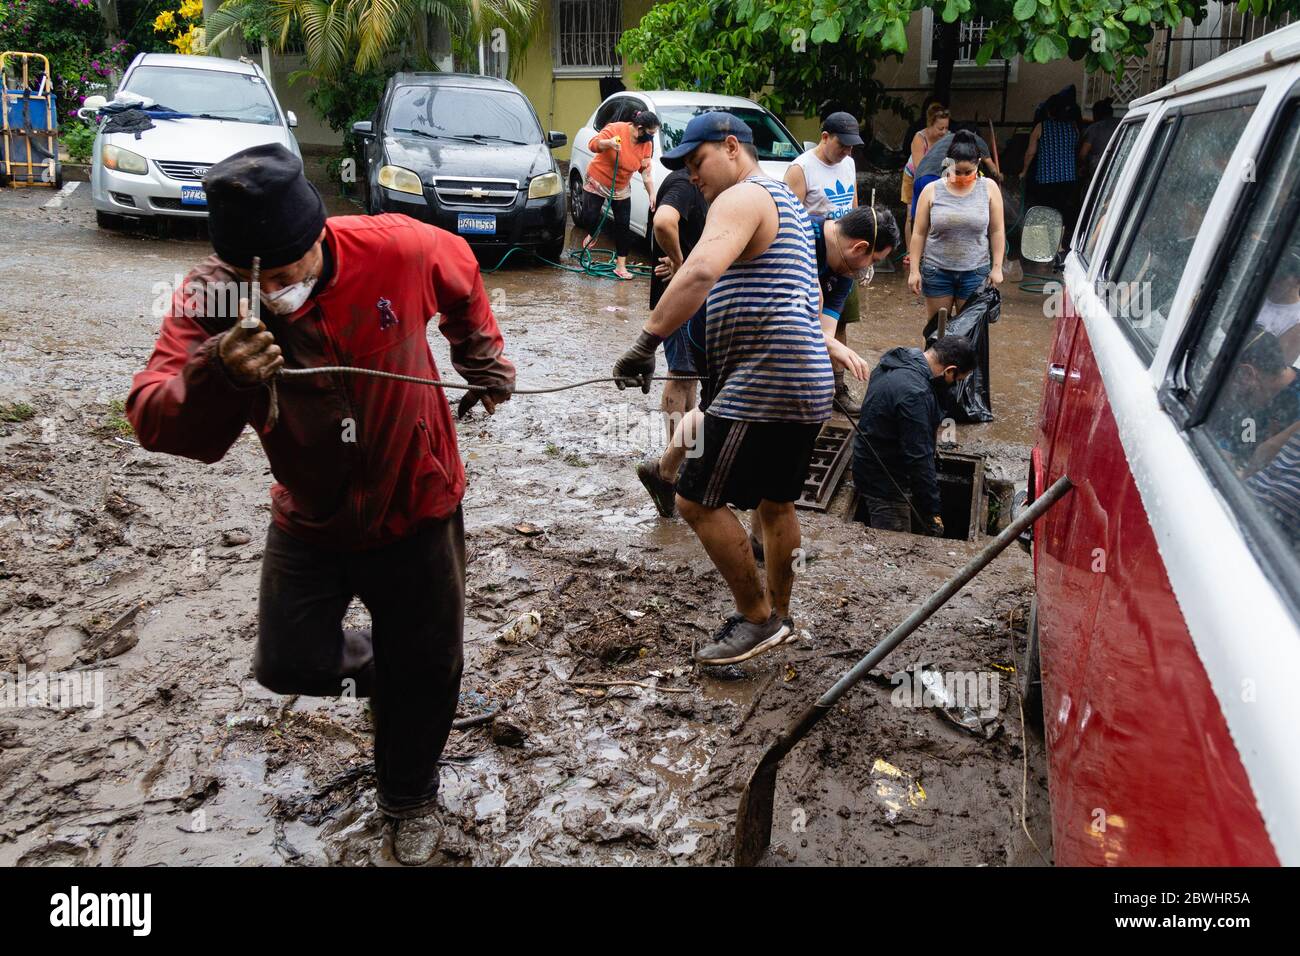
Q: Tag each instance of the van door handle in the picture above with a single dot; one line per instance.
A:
(1056, 373)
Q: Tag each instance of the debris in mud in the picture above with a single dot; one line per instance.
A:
(895, 789)
(507, 732)
(523, 628)
(234, 537)
(969, 719)
(247, 720)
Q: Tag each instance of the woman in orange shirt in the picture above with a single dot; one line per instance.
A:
(633, 146)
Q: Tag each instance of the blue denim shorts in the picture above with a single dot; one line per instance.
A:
(937, 283)
(677, 347)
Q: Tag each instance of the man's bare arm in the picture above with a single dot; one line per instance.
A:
(794, 178)
(667, 223)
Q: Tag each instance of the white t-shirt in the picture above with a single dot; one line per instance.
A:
(1278, 317)
(830, 188)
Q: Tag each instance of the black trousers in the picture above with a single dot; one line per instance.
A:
(618, 223)
(409, 662)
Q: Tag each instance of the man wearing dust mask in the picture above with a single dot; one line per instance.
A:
(368, 479)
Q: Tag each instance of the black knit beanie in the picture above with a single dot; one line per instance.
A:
(261, 204)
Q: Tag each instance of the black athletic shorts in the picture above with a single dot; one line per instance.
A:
(743, 463)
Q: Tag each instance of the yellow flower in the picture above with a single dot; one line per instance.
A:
(165, 21)
(191, 10)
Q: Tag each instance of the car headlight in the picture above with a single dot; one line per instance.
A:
(124, 161)
(547, 184)
(400, 180)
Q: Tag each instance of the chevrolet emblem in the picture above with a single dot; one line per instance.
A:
(476, 192)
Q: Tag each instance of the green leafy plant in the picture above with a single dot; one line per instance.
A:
(798, 54)
(78, 137)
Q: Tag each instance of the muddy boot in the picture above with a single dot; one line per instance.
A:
(417, 839)
(662, 492)
(843, 397)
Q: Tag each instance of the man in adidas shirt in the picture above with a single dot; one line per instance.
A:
(826, 181)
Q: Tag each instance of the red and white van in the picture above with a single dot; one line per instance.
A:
(1167, 614)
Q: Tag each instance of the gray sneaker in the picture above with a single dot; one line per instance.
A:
(663, 493)
(740, 639)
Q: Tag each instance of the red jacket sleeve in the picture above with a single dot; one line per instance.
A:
(183, 403)
(466, 319)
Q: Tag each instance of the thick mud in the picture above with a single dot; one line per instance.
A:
(139, 572)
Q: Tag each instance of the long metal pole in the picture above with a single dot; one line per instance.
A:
(950, 587)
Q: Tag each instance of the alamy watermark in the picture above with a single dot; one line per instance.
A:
(56, 690)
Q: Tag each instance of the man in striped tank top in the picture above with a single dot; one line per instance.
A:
(755, 266)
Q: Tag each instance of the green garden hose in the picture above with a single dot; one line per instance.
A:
(598, 263)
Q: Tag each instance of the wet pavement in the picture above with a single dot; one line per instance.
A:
(141, 570)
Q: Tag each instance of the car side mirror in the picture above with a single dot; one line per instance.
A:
(808, 145)
(555, 139)
(363, 129)
(292, 117)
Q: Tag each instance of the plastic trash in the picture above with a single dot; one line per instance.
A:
(895, 789)
(523, 628)
(969, 400)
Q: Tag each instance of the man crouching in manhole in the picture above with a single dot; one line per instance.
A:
(894, 449)
(756, 267)
(368, 478)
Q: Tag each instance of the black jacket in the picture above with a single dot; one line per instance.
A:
(900, 416)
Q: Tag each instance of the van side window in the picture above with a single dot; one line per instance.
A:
(1235, 303)
(1251, 430)
(1159, 234)
(1094, 221)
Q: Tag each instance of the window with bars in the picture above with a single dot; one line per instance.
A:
(970, 38)
(586, 34)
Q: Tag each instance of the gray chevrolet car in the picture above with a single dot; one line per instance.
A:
(468, 154)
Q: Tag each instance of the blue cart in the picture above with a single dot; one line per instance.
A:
(29, 139)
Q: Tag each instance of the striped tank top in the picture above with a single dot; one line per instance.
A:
(764, 335)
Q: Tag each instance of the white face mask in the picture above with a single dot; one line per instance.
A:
(291, 298)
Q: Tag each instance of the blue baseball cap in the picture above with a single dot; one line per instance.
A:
(711, 127)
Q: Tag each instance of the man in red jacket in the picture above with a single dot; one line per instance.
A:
(368, 478)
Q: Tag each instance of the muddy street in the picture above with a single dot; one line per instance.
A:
(138, 573)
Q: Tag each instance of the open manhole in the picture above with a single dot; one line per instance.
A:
(961, 495)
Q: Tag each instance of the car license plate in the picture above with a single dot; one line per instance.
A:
(193, 196)
(476, 224)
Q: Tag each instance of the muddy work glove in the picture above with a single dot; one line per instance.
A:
(637, 365)
(934, 527)
(490, 398)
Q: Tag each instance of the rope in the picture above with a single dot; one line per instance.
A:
(436, 383)
(273, 408)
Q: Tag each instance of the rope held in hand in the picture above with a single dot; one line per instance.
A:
(273, 410)
(349, 370)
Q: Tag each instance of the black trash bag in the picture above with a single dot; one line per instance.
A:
(968, 401)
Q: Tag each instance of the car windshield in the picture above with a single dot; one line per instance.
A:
(459, 112)
(770, 137)
(240, 97)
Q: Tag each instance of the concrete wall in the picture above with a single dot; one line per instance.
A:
(312, 132)
(565, 102)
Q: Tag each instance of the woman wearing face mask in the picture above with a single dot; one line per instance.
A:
(620, 149)
(959, 228)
